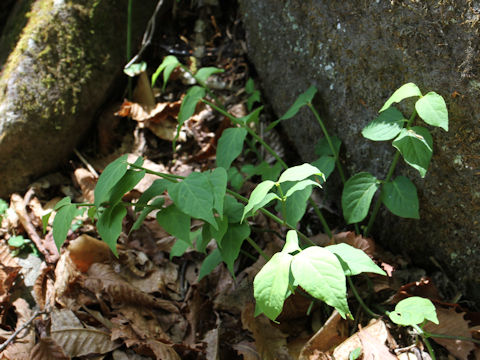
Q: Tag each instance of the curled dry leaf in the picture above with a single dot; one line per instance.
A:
(372, 341)
(103, 279)
(160, 350)
(43, 288)
(87, 181)
(423, 288)
(332, 333)
(161, 119)
(66, 274)
(86, 250)
(9, 270)
(47, 349)
(357, 241)
(452, 323)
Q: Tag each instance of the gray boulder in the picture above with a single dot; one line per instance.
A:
(357, 53)
(56, 78)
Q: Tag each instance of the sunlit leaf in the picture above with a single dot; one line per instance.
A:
(203, 74)
(258, 195)
(300, 172)
(405, 91)
(291, 243)
(433, 110)
(386, 126)
(416, 147)
(169, 64)
(413, 311)
(354, 261)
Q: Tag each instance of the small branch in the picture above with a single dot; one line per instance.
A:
(12, 337)
(257, 248)
(85, 162)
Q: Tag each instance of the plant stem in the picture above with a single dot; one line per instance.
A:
(443, 336)
(319, 214)
(424, 337)
(329, 141)
(257, 248)
(391, 170)
(360, 300)
(284, 204)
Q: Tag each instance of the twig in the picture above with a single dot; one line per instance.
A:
(20, 329)
(85, 162)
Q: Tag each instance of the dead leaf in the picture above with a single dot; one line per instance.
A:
(86, 250)
(454, 324)
(247, 350)
(21, 347)
(47, 349)
(162, 351)
(270, 342)
(66, 274)
(332, 333)
(87, 182)
(372, 341)
(43, 289)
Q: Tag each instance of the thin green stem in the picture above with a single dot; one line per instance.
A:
(452, 337)
(391, 170)
(319, 214)
(425, 340)
(283, 201)
(360, 300)
(257, 248)
(247, 254)
(329, 141)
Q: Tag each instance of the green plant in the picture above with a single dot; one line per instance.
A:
(18, 244)
(3, 209)
(322, 272)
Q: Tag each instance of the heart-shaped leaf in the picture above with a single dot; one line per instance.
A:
(300, 172)
(433, 110)
(386, 126)
(229, 146)
(357, 195)
(405, 91)
(416, 147)
(414, 310)
(354, 261)
(400, 197)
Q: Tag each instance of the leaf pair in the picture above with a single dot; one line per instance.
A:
(319, 271)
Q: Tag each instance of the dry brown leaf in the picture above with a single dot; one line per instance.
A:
(87, 182)
(86, 250)
(6, 258)
(270, 342)
(143, 92)
(102, 278)
(375, 333)
(357, 241)
(21, 347)
(9, 271)
(247, 350)
(43, 289)
(66, 274)
(161, 119)
(332, 333)
(423, 288)
(47, 349)
(75, 339)
(162, 351)
(452, 323)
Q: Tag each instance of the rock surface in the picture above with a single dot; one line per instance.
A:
(357, 53)
(56, 78)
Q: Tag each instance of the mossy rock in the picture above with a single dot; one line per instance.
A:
(55, 79)
(357, 53)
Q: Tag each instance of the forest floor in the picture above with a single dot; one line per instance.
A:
(149, 303)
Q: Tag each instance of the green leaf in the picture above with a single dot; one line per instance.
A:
(386, 126)
(194, 197)
(354, 261)
(65, 201)
(3, 206)
(135, 69)
(232, 242)
(296, 204)
(109, 225)
(229, 146)
(155, 205)
(416, 147)
(271, 284)
(235, 178)
(291, 243)
(175, 222)
(187, 109)
(205, 239)
(210, 263)
(320, 274)
(157, 188)
(232, 209)
(45, 219)
(323, 148)
(252, 117)
(16, 241)
(414, 310)
(300, 186)
(266, 200)
(218, 183)
(109, 177)
(219, 233)
(124, 185)
(355, 353)
(357, 196)
(326, 164)
(249, 86)
(203, 74)
(62, 222)
(167, 66)
(405, 91)
(301, 172)
(179, 248)
(400, 197)
(433, 110)
(257, 195)
(252, 99)
(302, 100)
